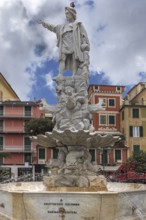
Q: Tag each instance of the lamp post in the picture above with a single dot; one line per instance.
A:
(34, 158)
(33, 167)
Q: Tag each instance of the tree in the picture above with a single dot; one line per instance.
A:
(38, 126)
(3, 155)
(140, 161)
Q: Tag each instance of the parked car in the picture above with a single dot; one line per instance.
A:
(128, 173)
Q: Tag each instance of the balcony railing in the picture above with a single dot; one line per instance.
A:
(27, 148)
(12, 130)
(15, 149)
(141, 102)
(15, 115)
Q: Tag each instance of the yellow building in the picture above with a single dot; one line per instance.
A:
(133, 119)
(6, 91)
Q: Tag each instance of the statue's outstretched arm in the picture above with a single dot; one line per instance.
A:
(50, 27)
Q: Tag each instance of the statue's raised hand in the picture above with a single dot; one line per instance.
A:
(40, 22)
(43, 23)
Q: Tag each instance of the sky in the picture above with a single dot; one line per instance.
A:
(28, 52)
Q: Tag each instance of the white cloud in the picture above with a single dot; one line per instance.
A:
(49, 81)
(116, 30)
(119, 48)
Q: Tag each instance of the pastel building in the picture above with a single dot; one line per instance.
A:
(133, 118)
(108, 120)
(24, 156)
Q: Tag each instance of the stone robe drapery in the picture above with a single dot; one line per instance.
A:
(79, 37)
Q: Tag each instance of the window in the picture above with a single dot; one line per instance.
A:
(1, 110)
(27, 144)
(118, 155)
(104, 157)
(111, 102)
(1, 143)
(1, 125)
(42, 154)
(102, 119)
(111, 119)
(27, 158)
(55, 153)
(118, 89)
(135, 113)
(96, 87)
(136, 131)
(27, 110)
(93, 154)
(1, 160)
(136, 149)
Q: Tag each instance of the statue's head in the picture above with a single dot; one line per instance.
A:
(70, 12)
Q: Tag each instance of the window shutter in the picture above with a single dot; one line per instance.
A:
(1, 143)
(136, 149)
(141, 131)
(131, 131)
(118, 155)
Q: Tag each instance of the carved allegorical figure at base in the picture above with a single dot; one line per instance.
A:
(73, 43)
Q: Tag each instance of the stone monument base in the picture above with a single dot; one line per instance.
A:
(31, 201)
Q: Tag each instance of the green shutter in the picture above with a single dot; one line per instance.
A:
(92, 152)
(117, 155)
(131, 131)
(1, 143)
(136, 149)
(141, 131)
(42, 153)
(27, 144)
(1, 110)
(135, 112)
(55, 153)
(27, 110)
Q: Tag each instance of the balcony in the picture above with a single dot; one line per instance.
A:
(12, 131)
(15, 115)
(140, 102)
(16, 149)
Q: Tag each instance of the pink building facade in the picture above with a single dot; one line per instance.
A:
(24, 156)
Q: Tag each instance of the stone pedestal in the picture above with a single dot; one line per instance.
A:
(31, 201)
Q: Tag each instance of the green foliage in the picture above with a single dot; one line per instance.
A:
(3, 155)
(38, 126)
(4, 174)
(140, 161)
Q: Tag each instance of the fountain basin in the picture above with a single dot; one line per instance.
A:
(31, 201)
